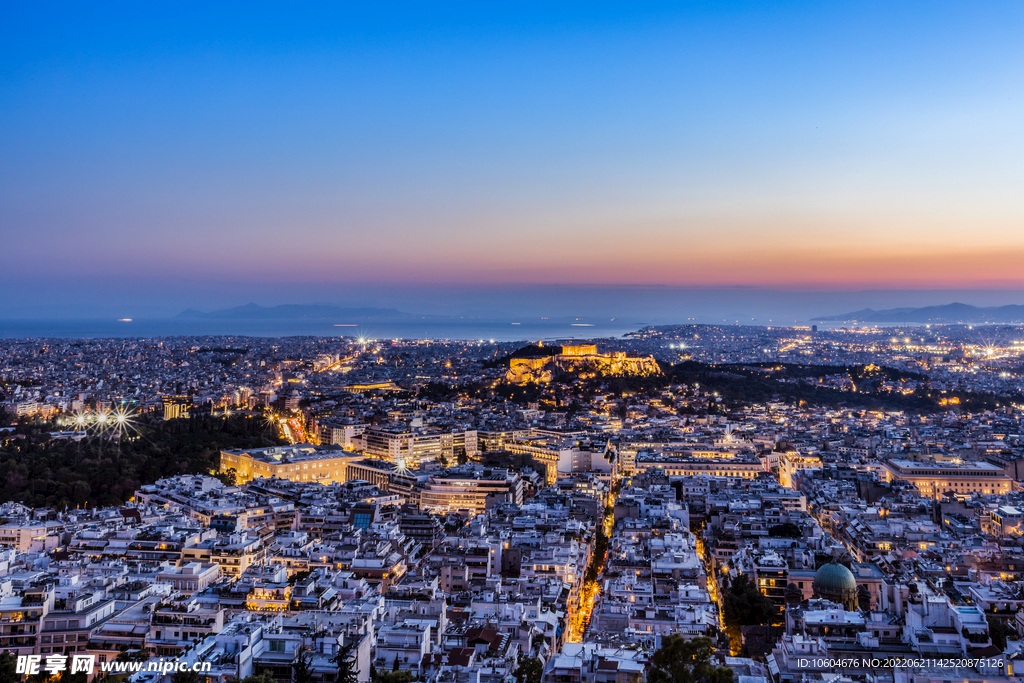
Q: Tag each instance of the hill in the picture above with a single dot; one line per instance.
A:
(743, 384)
(528, 351)
(40, 471)
(948, 314)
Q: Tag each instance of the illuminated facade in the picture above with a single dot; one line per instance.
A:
(22, 536)
(409, 446)
(580, 359)
(176, 406)
(295, 463)
(20, 619)
(441, 493)
(722, 466)
(933, 479)
(628, 453)
(553, 454)
(497, 440)
(792, 462)
(233, 555)
(385, 476)
(771, 574)
(580, 350)
(269, 597)
(1007, 520)
(190, 577)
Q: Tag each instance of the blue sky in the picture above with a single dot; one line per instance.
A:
(796, 145)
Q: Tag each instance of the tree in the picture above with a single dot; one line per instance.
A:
(302, 670)
(345, 660)
(998, 631)
(299, 576)
(260, 677)
(863, 597)
(184, 677)
(745, 605)
(842, 557)
(785, 530)
(686, 661)
(8, 665)
(393, 677)
(100, 472)
(67, 677)
(597, 558)
(530, 670)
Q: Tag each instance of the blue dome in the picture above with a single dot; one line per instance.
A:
(833, 578)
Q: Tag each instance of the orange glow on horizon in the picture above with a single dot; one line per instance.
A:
(794, 268)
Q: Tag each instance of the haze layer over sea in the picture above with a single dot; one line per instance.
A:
(427, 328)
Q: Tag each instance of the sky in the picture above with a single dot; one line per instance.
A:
(186, 155)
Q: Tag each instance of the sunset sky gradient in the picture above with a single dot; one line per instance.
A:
(798, 145)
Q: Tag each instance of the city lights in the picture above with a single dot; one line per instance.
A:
(789, 447)
(456, 435)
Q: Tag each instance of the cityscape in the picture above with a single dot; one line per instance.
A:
(512, 342)
(795, 504)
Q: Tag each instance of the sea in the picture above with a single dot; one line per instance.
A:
(435, 328)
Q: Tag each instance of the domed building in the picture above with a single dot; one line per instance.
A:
(836, 583)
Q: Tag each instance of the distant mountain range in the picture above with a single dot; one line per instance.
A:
(948, 314)
(296, 312)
